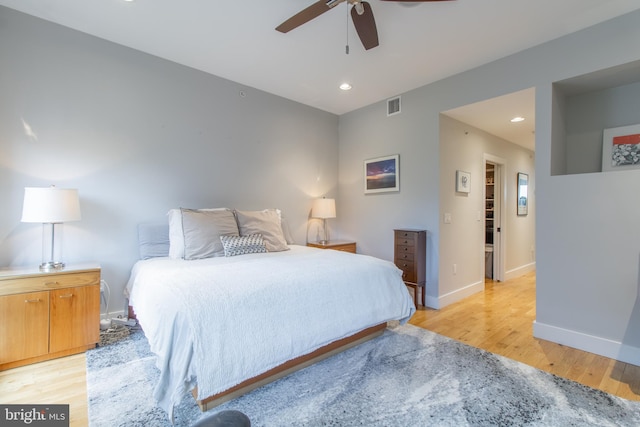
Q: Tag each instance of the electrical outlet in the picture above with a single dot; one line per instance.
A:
(455, 269)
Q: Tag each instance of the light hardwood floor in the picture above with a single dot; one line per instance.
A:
(498, 320)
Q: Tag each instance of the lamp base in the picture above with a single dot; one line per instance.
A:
(323, 242)
(51, 266)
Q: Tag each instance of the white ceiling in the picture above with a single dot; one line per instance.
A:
(419, 43)
(494, 116)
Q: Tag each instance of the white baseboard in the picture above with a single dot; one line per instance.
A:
(597, 345)
(454, 296)
(519, 271)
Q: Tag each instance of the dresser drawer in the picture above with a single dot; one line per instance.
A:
(48, 282)
(405, 251)
(405, 234)
(405, 241)
(408, 270)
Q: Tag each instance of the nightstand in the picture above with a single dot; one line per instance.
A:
(338, 245)
(45, 315)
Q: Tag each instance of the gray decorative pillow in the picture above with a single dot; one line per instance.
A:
(241, 245)
(266, 222)
(202, 231)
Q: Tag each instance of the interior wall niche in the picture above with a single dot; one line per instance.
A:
(586, 105)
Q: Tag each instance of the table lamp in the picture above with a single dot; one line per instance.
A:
(50, 206)
(324, 208)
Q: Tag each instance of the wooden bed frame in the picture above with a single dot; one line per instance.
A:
(289, 367)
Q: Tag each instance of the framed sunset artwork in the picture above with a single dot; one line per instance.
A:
(382, 174)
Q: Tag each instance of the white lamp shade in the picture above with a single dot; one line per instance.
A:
(324, 208)
(50, 205)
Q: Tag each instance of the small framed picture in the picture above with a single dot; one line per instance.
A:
(382, 174)
(463, 182)
(621, 148)
(523, 194)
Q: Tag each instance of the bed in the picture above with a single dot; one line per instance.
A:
(223, 325)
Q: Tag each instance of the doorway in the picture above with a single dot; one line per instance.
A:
(494, 202)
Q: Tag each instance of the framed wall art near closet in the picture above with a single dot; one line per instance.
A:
(463, 182)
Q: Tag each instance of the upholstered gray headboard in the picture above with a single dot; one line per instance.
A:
(153, 240)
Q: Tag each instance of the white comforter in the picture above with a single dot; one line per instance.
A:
(220, 321)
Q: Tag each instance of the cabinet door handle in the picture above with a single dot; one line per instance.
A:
(66, 296)
(32, 300)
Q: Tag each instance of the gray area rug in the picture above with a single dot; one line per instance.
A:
(406, 377)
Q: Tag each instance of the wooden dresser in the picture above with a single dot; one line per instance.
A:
(410, 255)
(44, 315)
(338, 245)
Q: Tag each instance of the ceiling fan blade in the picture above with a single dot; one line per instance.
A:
(365, 25)
(306, 15)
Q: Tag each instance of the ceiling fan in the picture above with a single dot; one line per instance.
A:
(361, 15)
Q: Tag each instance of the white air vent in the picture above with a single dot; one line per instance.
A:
(393, 106)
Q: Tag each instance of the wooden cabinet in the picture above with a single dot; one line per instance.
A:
(44, 315)
(338, 245)
(410, 255)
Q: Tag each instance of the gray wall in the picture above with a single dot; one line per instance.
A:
(138, 135)
(588, 246)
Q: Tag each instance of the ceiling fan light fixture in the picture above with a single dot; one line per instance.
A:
(345, 86)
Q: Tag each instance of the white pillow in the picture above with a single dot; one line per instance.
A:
(266, 222)
(176, 233)
(285, 229)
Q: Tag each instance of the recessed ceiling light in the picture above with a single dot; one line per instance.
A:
(517, 119)
(345, 86)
